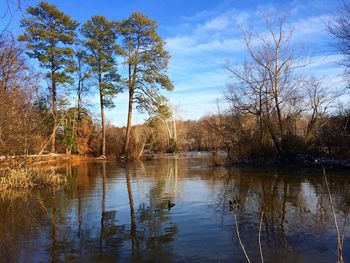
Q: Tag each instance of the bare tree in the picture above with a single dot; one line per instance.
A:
(267, 85)
(19, 120)
(339, 27)
(318, 100)
(7, 14)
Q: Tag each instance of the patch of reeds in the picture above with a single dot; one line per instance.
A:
(27, 178)
(13, 195)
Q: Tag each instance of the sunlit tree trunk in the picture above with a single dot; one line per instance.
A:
(128, 127)
(103, 150)
(54, 114)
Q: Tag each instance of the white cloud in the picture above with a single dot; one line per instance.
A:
(313, 26)
(217, 23)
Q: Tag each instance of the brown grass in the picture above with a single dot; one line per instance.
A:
(27, 178)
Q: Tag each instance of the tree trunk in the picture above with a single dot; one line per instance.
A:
(54, 112)
(174, 130)
(128, 127)
(103, 152)
(277, 92)
(79, 97)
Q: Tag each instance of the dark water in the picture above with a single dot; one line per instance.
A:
(118, 213)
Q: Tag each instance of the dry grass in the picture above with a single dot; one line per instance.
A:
(27, 178)
(13, 195)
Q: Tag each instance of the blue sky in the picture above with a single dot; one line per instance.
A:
(203, 35)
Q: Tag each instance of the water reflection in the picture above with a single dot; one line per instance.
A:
(119, 212)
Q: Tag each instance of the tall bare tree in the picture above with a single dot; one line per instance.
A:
(268, 85)
(20, 131)
(339, 27)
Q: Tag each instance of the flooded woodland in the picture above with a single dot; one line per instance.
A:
(118, 212)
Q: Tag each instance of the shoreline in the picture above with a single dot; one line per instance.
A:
(47, 159)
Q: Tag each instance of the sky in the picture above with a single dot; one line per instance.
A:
(202, 37)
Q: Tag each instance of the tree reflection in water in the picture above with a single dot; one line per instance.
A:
(111, 212)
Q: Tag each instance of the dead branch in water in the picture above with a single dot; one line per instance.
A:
(234, 208)
(260, 249)
(239, 239)
(340, 237)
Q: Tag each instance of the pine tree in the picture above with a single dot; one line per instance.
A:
(100, 43)
(49, 35)
(147, 63)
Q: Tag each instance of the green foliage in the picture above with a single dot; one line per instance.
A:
(160, 136)
(101, 49)
(69, 137)
(41, 105)
(159, 116)
(83, 73)
(143, 50)
(49, 34)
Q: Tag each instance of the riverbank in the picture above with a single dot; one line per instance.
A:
(42, 160)
(301, 162)
(218, 158)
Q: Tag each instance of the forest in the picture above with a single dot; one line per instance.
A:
(273, 110)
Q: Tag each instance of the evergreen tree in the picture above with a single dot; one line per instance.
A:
(83, 75)
(147, 63)
(100, 43)
(49, 35)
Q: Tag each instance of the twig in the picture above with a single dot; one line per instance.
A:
(333, 251)
(239, 239)
(261, 254)
(47, 142)
(339, 239)
(344, 225)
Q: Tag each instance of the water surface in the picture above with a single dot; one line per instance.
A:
(113, 212)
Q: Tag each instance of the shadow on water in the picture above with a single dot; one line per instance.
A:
(110, 212)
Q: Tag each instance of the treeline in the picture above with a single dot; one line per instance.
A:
(275, 110)
(75, 60)
(241, 137)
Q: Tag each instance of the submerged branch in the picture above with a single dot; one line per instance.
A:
(239, 239)
(339, 237)
(260, 249)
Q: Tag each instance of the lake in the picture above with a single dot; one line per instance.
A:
(112, 212)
